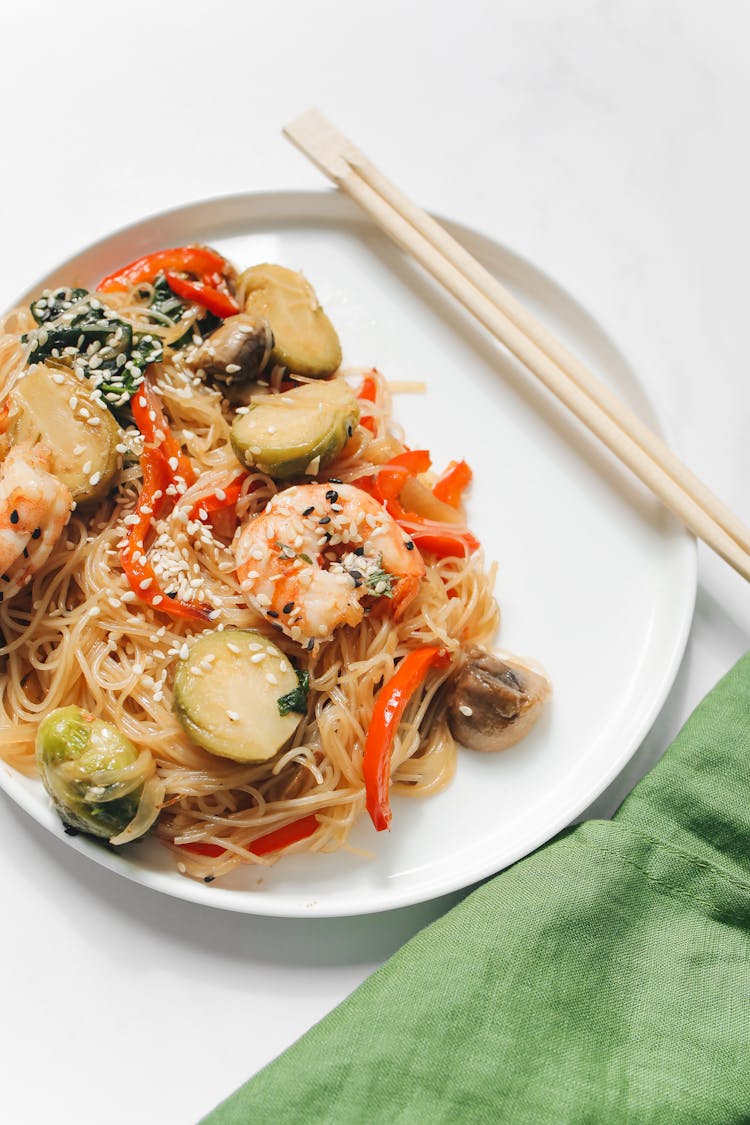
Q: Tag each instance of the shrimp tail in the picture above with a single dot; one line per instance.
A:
(404, 594)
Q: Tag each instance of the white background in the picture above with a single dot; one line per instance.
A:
(605, 141)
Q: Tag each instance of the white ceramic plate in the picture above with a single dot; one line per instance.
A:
(595, 580)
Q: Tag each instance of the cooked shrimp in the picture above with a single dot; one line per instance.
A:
(34, 508)
(317, 552)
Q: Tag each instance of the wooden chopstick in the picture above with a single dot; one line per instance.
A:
(594, 404)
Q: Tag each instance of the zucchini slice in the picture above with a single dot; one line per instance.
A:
(300, 431)
(54, 406)
(305, 341)
(227, 691)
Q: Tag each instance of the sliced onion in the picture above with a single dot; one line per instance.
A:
(149, 807)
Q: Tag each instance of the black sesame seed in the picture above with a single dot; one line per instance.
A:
(409, 545)
(309, 511)
(35, 533)
(288, 607)
(208, 878)
(327, 535)
(26, 552)
(325, 519)
(310, 644)
(332, 495)
(334, 480)
(172, 594)
(349, 431)
(359, 550)
(272, 613)
(355, 574)
(6, 578)
(14, 518)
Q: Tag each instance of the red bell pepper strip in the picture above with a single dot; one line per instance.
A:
(213, 503)
(152, 422)
(450, 487)
(264, 845)
(386, 716)
(162, 463)
(392, 476)
(368, 393)
(215, 300)
(139, 571)
(441, 541)
(198, 260)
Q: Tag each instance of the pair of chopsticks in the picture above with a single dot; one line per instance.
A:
(525, 337)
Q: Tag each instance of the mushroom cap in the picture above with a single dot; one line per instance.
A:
(492, 703)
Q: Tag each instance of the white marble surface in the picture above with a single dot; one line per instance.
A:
(606, 141)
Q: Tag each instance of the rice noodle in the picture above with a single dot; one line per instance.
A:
(76, 636)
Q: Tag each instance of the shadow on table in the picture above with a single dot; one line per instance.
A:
(365, 939)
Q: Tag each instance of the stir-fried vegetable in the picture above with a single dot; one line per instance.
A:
(274, 841)
(197, 260)
(450, 486)
(52, 405)
(78, 330)
(163, 465)
(228, 695)
(386, 716)
(305, 341)
(99, 782)
(298, 432)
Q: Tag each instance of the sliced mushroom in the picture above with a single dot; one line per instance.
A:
(492, 703)
(236, 353)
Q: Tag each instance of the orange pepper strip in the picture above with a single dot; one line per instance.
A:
(386, 716)
(162, 462)
(368, 393)
(138, 569)
(214, 503)
(450, 487)
(264, 845)
(391, 478)
(199, 260)
(152, 422)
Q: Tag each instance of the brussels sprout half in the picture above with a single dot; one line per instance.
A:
(93, 773)
(304, 340)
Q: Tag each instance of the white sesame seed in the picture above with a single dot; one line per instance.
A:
(129, 596)
(465, 710)
(233, 716)
(145, 583)
(258, 658)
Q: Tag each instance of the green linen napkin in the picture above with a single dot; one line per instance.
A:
(605, 978)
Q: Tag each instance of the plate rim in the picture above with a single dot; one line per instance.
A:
(320, 206)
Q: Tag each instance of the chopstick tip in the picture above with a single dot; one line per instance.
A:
(314, 135)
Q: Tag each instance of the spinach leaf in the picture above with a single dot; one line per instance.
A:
(296, 700)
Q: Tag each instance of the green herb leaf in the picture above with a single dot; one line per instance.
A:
(380, 582)
(296, 700)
